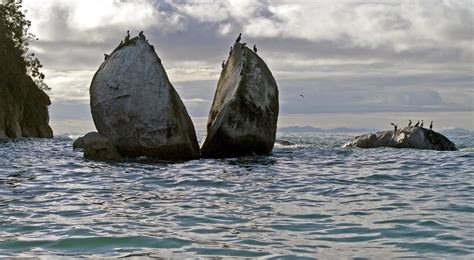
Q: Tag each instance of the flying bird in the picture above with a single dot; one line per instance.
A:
(301, 95)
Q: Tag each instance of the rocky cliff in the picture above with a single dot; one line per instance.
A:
(244, 113)
(24, 110)
(134, 105)
(408, 137)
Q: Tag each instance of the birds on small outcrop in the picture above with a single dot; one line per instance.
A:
(141, 35)
(395, 126)
(409, 122)
(255, 48)
(127, 37)
(431, 125)
(417, 123)
(421, 124)
(238, 38)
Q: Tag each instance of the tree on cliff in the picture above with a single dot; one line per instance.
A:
(15, 61)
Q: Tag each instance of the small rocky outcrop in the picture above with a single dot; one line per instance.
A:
(135, 106)
(408, 137)
(24, 110)
(244, 113)
(99, 148)
(78, 143)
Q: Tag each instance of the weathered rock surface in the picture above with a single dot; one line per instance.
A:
(244, 113)
(99, 148)
(24, 111)
(135, 106)
(408, 137)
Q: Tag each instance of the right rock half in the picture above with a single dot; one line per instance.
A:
(244, 113)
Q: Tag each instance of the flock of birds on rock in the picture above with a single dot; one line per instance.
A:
(243, 45)
(418, 124)
(126, 41)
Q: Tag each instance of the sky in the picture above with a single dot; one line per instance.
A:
(400, 58)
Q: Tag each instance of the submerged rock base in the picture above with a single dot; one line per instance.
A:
(408, 137)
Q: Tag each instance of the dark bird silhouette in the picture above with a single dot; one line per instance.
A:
(301, 95)
(223, 63)
(431, 125)
(127, 37)
(106, 56)
(230, 52)
(238, 38)
(141, 35)
(243, 68)
(417, 123)
(409, 122)
(255, 48)
(421, 123)
(395, 126)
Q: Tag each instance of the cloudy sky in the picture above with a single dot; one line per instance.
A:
(344, 56)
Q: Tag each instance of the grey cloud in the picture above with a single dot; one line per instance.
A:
(427, 75)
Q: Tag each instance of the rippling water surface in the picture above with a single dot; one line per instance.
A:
(311, 199)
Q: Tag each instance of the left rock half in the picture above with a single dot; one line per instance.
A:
(135, 106)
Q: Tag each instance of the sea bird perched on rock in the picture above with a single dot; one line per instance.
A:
(409, 122)
(421, 123)
(238, 38)
(255, 48)
(230, 52)
(395, 126)
(127, 37)
(141, 35)
(417, 123)
(431, 125)
(223, 63)
(106, 56)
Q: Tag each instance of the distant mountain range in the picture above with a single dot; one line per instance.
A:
(457, 131)
(310, 129)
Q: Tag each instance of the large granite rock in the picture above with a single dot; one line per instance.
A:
(99, 148)
(244, 113)
(408, 137)
(24, 110)
(135, 106)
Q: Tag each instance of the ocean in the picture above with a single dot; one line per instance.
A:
(310, 199)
